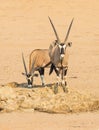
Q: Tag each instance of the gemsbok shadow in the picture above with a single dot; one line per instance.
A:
(25, 85)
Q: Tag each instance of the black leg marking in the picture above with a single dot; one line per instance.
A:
(65, 72)
(41, 71)
(56, 71)
(53, 67)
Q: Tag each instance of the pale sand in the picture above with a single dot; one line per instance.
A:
(24, 26)
(43, 121)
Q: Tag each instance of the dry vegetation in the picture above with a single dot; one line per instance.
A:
(14, 96)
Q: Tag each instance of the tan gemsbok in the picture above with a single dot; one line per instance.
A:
(38, 60)
(59, 57)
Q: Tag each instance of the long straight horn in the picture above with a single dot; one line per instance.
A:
(24, 64)
(33, 68)
(54, 30)
(68, 31)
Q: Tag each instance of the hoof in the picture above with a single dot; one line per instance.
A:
(56, 88)
(43, 84)
(30, 86)
(65, 88)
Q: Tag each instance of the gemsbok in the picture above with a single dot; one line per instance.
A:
(59, 57)
(38, 60)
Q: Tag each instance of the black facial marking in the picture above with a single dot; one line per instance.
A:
(28, 75)
(62, 44)
(62, 51)
(62, 48)
(29, 82)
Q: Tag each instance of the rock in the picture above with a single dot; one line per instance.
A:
(7, 93)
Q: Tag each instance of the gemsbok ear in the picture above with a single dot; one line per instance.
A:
(69, 44)
(23, 74)
(55, 43)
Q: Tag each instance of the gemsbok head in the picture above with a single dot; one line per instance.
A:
(29, 76)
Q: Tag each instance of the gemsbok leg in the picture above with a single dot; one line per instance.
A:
(41, 72)
(63, 77)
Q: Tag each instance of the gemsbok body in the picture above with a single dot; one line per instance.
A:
(38, 60)
(58, 53)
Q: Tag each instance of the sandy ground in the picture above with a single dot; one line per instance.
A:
(43, 121)
(24, 26)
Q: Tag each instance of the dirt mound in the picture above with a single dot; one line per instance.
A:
(14, 96)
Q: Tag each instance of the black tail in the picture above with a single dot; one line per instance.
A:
(53, 68)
